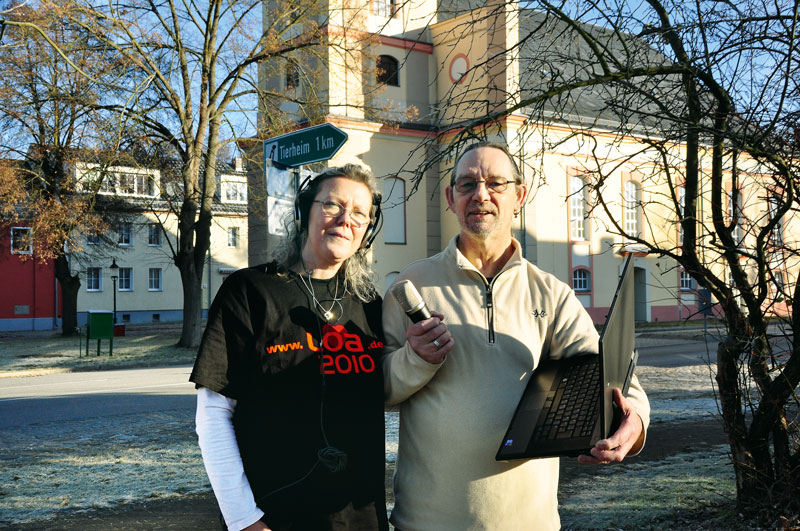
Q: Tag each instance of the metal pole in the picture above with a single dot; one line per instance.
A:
(114, 281)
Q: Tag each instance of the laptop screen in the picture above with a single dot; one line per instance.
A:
(617, 340)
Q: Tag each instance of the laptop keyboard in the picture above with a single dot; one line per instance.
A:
(577, 398)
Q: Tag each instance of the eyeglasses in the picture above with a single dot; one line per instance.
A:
(333, 209)
(494, 186)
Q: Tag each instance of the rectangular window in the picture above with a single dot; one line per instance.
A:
(687, 282)
(154, 234)
(777, 230)
(154, 279)
(125, 279)
(576, 209)
(21, 240)
(93, 239)
(234, 192)
(94, 279)
(140, 184)
(682, 207)
(125, 234)
(734, 211)
(631, 209)
(384, 8)
(233, 236)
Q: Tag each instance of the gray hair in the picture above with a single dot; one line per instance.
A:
(357, 269)
(515, 173)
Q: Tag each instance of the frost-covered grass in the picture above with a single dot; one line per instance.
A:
(29, 356)
(666, 494)
(83, 465)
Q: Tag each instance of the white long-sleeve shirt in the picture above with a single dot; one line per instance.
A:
(214, 426)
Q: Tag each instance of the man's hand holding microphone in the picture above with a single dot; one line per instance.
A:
(428, 336)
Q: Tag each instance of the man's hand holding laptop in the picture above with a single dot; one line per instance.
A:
(628, 439)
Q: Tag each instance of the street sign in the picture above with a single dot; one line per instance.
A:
(305, 146)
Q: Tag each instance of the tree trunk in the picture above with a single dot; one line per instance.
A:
(70, 286)
(191, 279)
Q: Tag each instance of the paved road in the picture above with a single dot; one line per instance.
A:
(73, 396)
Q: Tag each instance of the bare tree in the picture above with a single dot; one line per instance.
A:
(53, 75)
(701, 101)
(194, 66)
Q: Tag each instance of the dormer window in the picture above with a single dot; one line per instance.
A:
(234, 192)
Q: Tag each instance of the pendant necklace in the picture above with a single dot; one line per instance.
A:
(328, 313)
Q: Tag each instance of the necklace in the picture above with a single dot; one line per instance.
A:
(328, 314)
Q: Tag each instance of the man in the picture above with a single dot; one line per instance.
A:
(459, 375)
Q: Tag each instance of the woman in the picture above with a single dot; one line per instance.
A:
(290, 390)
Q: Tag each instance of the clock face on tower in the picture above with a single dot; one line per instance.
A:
(458, 67)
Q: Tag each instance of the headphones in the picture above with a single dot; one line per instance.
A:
(304, 199)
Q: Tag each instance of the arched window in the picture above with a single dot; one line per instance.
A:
(577, 209)
(387, 71)
(394, 210)
(292, 76)
(581, 280)
(632, 205)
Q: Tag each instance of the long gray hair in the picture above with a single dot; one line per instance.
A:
(357, 269)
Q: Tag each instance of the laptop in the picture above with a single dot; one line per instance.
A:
(568, 404)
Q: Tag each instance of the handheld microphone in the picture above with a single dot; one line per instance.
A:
(410, 300)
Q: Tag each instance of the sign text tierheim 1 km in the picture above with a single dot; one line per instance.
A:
(304, 146)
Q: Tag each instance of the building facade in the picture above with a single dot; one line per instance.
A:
(396, 76)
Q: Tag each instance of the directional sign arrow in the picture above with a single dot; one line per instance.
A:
(305, 146)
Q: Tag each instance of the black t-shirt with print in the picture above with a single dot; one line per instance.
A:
(304, 388)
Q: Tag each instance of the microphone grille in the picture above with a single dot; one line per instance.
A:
(407, 295)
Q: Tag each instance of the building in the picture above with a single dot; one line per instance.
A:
(30, 298)
(140, 205)
(396, 75)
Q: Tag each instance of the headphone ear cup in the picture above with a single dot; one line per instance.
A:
(375, 226)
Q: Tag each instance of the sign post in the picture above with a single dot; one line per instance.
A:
(312, 144)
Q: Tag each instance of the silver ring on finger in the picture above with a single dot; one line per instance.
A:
(437, 344)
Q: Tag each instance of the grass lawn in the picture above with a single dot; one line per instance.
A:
(29, 356)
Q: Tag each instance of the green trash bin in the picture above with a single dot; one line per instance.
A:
(100, 325)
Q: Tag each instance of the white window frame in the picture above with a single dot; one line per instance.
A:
(125, 234)
(777, 231)
(577, 209)
(384, 8)
(94, 279)
(154, 235)
(233, 237)
(155, 279)
(93, 238)
(14, 238)
(686, 281)
(581, 280)
(734, 211)
(631, 201)
(681, 211)
(125, 280)
(234, 192)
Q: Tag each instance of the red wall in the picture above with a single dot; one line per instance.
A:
(25, 281)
